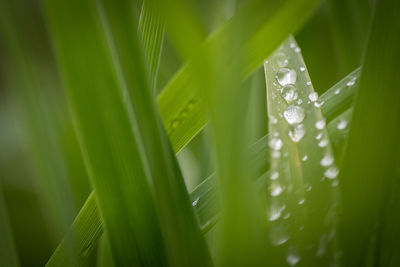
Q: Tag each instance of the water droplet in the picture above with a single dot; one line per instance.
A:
(337, 91)
(322, 246)
(331, 172)
(320, 124)
(335, 183)
(318, 104)
(304, 158)
(301, 201)
(276, 154)
(297, 133)
(302, 69)
(313, 96)
(299, 101)
(292, 45)
(297, 50)
(292, 257)
(342, 124)
(273, 119)
(286, 76)
(275, 211)
(323, 143)
(279, 235)
(274, 175)
(281, 59)
(294, 114)
(275, 143)
(289, 93)
(319, 136)
(327, 160)
(308, 187)
(276, 189)
(351, 82)
(308, 83)
(194, 203)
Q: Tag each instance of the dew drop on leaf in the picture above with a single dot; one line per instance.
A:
(331, 172)
(276, 189)
(313, 96)
(279, 235)
(342, 124)
(323, 143)
(274, 175)
(275, 211)
(292, 257)
(286, 76)
(294, 114)
(327, 160)
(281, 59)
(289, 93)
(194, 203)
(320, 124)
(275, 143)
(351, 82)
(297, 133)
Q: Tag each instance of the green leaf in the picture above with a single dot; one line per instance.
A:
(302, 194)
(151, 32)
(369, 180)
(184, 243)
(85, 231)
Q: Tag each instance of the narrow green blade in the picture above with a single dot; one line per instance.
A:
(302, 194)
(369, 180)
(184, 243)
(151, 32)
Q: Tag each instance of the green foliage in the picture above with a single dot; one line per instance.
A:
(258, 180)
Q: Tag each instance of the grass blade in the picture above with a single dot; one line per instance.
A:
(151, 32)
(184, 243)
(301, 204)
(370, 174)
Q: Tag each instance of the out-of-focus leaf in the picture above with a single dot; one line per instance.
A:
(151, 32)
(369, 180)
